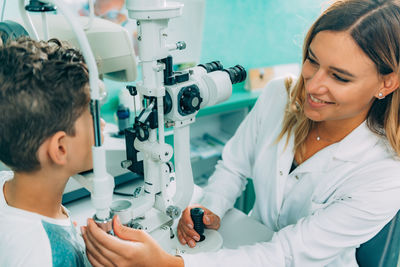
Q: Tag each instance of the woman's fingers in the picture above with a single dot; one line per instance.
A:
(186, 219)
(93, 261)
(187, 235)
(181, 237)
(93, 250)
(107, 244)
(130, 248)
(211, 220)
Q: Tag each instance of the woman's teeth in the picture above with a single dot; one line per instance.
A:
(316, 100)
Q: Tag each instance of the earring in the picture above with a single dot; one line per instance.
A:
(380, 95)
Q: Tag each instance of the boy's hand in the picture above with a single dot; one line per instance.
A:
(186, 233)
(132, 248)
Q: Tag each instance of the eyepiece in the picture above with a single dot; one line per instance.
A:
(237, 74)
(212, 66)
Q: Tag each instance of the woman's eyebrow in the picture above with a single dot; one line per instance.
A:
(342, 71)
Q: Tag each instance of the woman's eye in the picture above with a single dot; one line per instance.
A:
(312, 61)
(337, 77)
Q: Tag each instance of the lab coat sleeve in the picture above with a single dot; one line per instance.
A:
(231, 173)
(345, 222)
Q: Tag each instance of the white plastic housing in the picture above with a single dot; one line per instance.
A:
(219, 87)
(110, 43)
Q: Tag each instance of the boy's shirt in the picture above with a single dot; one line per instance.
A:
(30, 239)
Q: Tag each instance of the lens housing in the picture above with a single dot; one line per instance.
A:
(237, 74)
(212, 66)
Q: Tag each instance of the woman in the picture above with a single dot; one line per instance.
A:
(323, 154)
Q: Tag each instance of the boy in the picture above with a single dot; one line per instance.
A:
(46, 135)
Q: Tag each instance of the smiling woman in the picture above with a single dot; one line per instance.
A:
(349, 67)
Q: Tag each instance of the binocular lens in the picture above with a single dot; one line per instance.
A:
(237, 74)
(212, 66)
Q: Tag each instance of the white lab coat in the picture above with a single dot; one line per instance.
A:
(321, 212)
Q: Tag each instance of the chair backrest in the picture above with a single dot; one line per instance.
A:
(383, 249)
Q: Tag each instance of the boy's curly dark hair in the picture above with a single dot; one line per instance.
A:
(44, 88)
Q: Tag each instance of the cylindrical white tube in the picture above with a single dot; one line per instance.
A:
(151, 39)
(145, 4)
(45, 26)
(27, 21)
(122, 208)
(91, 16)
(103, 185)
(183, 167)
(151, 175)
(219, 87)
(151, 170)
(160, 113)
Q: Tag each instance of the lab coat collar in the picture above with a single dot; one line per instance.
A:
(356, 144)
(351, 148)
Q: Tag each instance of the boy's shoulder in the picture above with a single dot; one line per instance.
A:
(31, 239)
(24, 242)
(35, 240)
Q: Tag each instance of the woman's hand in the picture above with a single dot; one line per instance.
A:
(186, 233)
(131, 248)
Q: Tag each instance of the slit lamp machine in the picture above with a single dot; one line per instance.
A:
(170, 99)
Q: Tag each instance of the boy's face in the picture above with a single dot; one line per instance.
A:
(82, 142)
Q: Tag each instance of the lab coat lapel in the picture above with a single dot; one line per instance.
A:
(283, 164)
(351, 149)
(308, 174)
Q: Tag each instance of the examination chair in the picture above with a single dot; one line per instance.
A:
(383, 249)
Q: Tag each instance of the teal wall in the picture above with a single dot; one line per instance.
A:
(257, 33)
(253, 33)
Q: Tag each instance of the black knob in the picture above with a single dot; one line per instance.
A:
(197, 215)
(132, 89)
(39, 6)
(167, 103)
(190, 100)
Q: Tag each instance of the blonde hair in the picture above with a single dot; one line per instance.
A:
(375, 27)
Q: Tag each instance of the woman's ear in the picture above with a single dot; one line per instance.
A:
(390, 84)
(57, 148)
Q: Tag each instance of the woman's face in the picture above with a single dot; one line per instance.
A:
(341, 82)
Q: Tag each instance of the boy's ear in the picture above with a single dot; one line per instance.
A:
(57, 148)
(390, 84)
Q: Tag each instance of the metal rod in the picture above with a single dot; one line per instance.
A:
(95, 110)
(3, 9)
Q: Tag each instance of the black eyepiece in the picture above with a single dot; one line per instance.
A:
(237, 74)
(212, 66)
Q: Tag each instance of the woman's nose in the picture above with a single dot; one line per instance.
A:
(317, 83)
